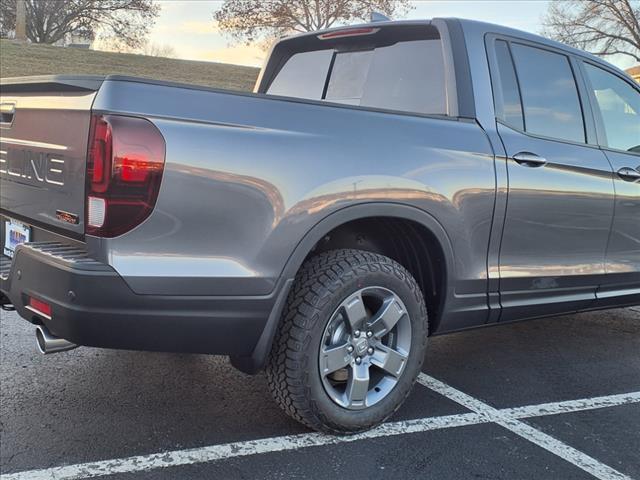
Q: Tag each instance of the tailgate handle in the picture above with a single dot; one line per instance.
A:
(7, 113)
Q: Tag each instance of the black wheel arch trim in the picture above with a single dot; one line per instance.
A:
(257, 360)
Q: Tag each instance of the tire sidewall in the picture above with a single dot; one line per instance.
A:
(367, 274)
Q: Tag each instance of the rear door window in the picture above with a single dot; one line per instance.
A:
(549, 94)
(507, 102)
(407, 76)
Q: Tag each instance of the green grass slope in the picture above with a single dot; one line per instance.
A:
(17, 60)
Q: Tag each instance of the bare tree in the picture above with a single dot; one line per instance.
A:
(8, 18)
(49, 21)
(152, 49)
(252, 20)
(603, 27)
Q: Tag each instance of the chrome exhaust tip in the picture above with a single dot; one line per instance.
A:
(48, 343)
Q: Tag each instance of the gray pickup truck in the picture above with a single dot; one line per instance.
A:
(384, 183)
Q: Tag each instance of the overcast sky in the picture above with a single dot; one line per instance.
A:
(189, 28)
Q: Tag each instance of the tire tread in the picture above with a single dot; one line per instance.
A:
(315, 284)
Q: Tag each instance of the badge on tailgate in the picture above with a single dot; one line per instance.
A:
(67, 217)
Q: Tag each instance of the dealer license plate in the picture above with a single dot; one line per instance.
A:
(16, 233)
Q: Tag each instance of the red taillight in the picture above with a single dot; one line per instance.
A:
(99, 153)
(40, 307)
(349, 32)
(124, 170)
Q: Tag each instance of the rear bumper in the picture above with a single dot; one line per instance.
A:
(93, 306)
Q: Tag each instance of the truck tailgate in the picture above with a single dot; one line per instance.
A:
(43, 149)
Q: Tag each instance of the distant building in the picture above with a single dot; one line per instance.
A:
(78, 41)
(635, 73)
(74, 41)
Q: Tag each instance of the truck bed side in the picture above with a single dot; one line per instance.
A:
(248, 176)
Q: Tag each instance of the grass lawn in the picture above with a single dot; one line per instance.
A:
(17, 60)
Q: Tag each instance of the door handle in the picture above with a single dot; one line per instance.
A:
(629, 174)
(529, 159)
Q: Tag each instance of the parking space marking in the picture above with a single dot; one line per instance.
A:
(240, 449)
(572, 406)
(549, 443)
(480, 413)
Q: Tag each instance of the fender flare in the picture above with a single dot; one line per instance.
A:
(257, 360)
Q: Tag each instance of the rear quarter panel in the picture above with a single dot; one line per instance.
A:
(247, 176)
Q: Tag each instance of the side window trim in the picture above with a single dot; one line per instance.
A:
(584, 96)
(517, 75)
(586, 102)
(601, 134)
(494, 72)
(323, 95)
(496, 80)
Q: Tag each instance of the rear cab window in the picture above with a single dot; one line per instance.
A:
(400, 68)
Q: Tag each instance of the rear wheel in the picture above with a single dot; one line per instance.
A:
(351, 342)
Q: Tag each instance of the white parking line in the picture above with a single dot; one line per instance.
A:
(572, 406)
(239, 449)
(482, 413)
(511, 423)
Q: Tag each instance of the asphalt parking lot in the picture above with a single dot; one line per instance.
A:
(548, 399)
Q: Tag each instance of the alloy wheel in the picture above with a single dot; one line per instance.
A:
(365, 347)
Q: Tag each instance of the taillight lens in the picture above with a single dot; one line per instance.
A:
(124, 170)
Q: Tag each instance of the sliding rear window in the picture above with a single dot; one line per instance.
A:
(391, 68)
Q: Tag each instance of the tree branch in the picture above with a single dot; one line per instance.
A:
(604, 27)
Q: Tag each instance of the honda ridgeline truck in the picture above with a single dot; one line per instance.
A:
(383, 183)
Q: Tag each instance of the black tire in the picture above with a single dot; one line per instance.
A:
(293, 373)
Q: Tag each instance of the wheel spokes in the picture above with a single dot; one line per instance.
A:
(355, 311)
(334, 358)
(358, 386)
(386, 318)
(369, 329)
(389, 360)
